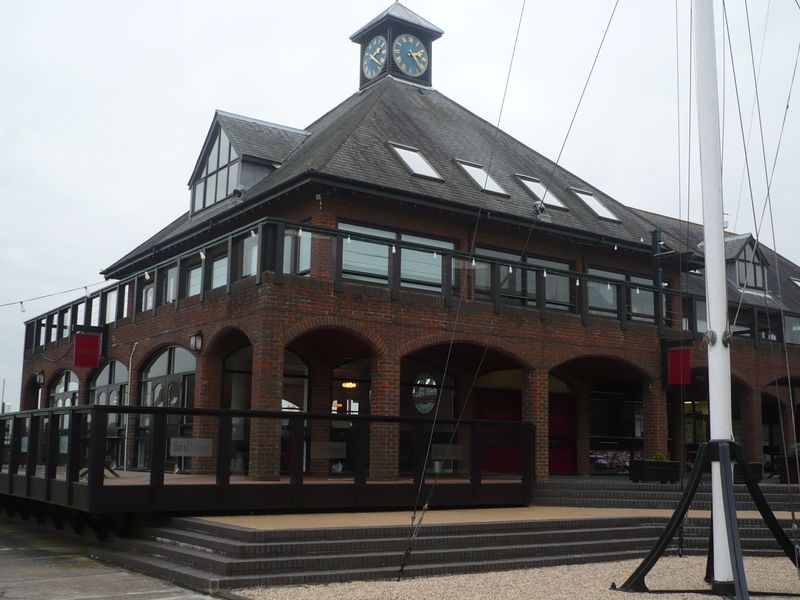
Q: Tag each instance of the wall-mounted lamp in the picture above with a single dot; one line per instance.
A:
(349, 385)
(196, 341)
(40, 377)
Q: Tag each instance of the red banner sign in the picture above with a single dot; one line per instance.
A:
(87, 350)
(679, 366)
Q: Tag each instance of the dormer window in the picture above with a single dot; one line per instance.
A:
(597, 207)
(750, 268)
(481, 176)
(220, 174)
(415, 162)
(540, 192)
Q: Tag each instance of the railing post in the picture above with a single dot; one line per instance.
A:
(475, 461)
(97, 450)
(583, 293)
(420, 449)
(14, 451)
(394, 273)
(297, 441)
(280, 234)
(33, 452)
(362, 451)
(447, 279)
(494, 269)
(158, 436)
(528, 460)
(51, 468)
(541, 294)
(259, 252)
(622, 305)
(204, 265)
(231, 267)
(224, 440)
(338, 256)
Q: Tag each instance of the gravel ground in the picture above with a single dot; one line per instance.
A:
(774, 576)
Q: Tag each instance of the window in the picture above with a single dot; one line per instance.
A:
(557, 287)
(366, 261)
(170, 285)
(795, 281)
(220, 173)
(297, 252)
(193, 281)
(480, 176)
(422, 269)
(415, 162)
(424, 393)
(148, 297)
(64, 392)
(111, 307)
(603, 294)
(510, 278)
(749, 268)
(249, 255)
(595, 205)
(791, 330)
(219, 272)
(540, 192)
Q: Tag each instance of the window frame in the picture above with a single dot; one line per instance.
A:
(581, 193)
(463, 164)
(559, 204)
(396, 146)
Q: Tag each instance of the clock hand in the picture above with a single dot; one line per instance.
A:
(415, 56)
(372, 56)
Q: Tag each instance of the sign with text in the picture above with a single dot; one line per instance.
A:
(195, 447)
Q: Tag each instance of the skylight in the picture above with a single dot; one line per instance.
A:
(415, 162)
(597, 207)
(537, 188)
(485, 181)
(795, 281)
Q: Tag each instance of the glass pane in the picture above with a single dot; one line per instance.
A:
(193, 282)
(510, 281)
(185, 362)
(219, 272)
(416, 163)
(223, 148)
(556, 286)
(792, 330)
(222, 184)
(111, 307)
(157, 399)
(171, 285)
(249, 256)
(148, 298)
(67, 325)
(211, 183)
(104, 376)
(213, 156)
(482, 178)
(120, 373)
(304, 253)
(72, 381)
(233, 176)
(538, 189)
(158, 367)
(596, 206)
(199, 188)
(702, 322)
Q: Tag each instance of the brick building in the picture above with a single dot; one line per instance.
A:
(403, 257)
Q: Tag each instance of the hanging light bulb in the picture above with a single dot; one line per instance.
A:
(510, 269)
(202, 257)
(300, 232)
(615, 247)
(544, 273)
(394, 250)
(86, 291)
(348, 239)
(252, 233)
(21, 306)
(608, 286)
(637, 290)
(473, 262)
(577, 282)
(435, 256)
(147, 274)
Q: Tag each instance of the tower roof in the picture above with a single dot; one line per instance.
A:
(400, 13)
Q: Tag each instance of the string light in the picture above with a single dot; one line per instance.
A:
(394, 250)
(544, 273)
(615, 247)
(252, 233)
(86, 291)
(299, 232)
(473, 262)
(21, 303)
(577, 282)
(348, 239)
(21, 306)
(637, 290)
(146, 276)
(510, 270)
(435, 256)
(202, 255)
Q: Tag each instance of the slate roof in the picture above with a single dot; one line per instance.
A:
(401, 13)
(260, 139)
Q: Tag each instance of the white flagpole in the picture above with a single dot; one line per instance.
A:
(719, 366)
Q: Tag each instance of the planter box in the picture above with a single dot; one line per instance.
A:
(665, 471)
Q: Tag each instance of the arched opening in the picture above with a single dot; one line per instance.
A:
(109, 386)
(597, 402)
(167, 380)
(64, 390)
(326, 371)
(480, 383)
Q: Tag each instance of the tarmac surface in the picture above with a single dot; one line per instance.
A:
(40, 564)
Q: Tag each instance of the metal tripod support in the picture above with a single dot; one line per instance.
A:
(716, 450)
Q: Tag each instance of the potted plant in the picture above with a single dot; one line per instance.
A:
(656, 468)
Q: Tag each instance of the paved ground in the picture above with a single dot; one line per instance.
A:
(38, 564)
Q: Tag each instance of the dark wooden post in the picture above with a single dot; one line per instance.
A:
(338, 257)
(231, 266)
(101, 319)
(158, 436)
(583, 293)
(280, 234)
(447, 278)
(259, 252)
(33, 451)
(224, 425)
(622, 305)
(693, 314)
(51, 467)
(420, 449)
(297, 441)
(495, 286)
(362, 451)
(15, 450)
(528, 460)
(97, 451)
(394, 273)
(541, 294)
(754, 327)
(475, 461)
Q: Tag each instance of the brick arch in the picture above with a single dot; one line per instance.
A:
(365, 333)
(426, 341)
(218, 339)
(781, 381)
(145, 355)
(644, 372)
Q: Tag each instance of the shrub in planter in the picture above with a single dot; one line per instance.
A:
(656, 468)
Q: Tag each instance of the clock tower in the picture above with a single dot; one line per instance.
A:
(397, 42)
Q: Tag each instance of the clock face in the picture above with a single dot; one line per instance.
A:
(374, 57)
(410, 55)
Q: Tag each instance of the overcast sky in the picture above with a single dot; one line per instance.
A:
(104, 107)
